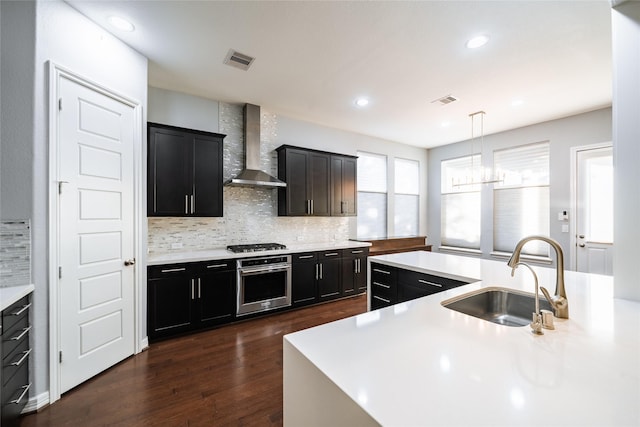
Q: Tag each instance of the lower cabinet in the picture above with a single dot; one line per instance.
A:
(390, 285)
(354, 271)
(15, 351)
(316, 277)
(183, 297)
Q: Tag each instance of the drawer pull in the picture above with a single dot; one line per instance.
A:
(382, 299)
(426, 282)
(24, 332)
(382, 285)
(25, 354)
(216, 265)
(173, 270)
(381, 271)
(356, 252)
(305, 257)
(331, 254)
(22, 395)
(21, 310)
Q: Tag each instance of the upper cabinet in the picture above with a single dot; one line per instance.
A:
(184, 172)
(318, 183)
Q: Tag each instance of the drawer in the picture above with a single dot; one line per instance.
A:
(169, 270)
(383, 274)
(13, 337)
(378, 301)
(304, 257)
(387, 291)
(330, 254)
(15, 393)
(355, 252)
(14, 361)
(217, 265)
(427, 281)
(15, 313)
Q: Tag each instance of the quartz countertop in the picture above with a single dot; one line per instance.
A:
(222, 253)
(11, 294)
(419, 363)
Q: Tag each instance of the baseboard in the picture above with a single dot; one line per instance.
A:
(36, 403)
(144, 344)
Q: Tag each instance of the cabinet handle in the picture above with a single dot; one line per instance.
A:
(382, 299)
(199, 288)
(305, 257)
(317, 269)
(22, 395)
(21, 310)
(22, 334)
(381, 271)
(25, 354)
(186, 204)
(356, 252)
(216, 265)
(331, 254)
(193, 288)
(429, 283)
(193, 204)
(173, 270)
(320, 271)
(309, 207)
(355, 266)
(382, 285)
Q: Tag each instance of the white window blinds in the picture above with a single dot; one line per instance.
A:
(372, 195)
(460, 205)
(521, 202)
(407, 190)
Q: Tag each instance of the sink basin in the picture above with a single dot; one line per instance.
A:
(503, 306)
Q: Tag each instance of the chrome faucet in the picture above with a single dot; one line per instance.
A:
(559, 300)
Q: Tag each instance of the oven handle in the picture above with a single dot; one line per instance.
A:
(262, 270)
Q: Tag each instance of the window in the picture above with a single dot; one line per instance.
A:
(407, 191)
(460, 204)
(372, 195)
(521, 203)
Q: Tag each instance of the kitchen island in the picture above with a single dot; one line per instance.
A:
(418, 363)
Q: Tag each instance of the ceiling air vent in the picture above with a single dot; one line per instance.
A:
(238, 60)
(445, 100)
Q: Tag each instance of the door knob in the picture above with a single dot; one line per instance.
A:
(581, 236)
(129, 262)
(581, 245)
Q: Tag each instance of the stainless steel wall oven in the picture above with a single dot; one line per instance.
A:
(264, 283)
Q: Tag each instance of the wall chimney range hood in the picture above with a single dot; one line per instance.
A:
(251, 175)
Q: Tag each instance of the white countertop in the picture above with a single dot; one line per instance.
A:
(419, 363)
(223, 253)
(11, 294)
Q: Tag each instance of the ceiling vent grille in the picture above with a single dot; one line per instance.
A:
(445, 100)
(238, 60)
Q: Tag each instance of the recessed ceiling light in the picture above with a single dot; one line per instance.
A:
(121, 24)
(362, 102)
(477, 42)
(445, 124)
(517, 102)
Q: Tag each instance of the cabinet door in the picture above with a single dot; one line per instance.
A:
(343, 186)
(361, 276)
(349, 273)
(169, 181)
(295, 196)
(330, 275)
(319, 166)
(304, 270)
(207, 176)
(170, 305)
(216, 294)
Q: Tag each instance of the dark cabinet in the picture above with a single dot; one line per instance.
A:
(318, 183)
(15, 352)
(329, 275)
(319, 276)
(304, 277)
(384, 286)
(354, 271)
(184, 297)
(344, 193)
(184, 172)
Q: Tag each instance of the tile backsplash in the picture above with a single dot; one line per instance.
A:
(250, 214)
(15, 253)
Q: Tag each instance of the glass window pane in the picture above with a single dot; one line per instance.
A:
(406, 215)
(407, 176)
(520, 212)
(526, 165)
(600, 199)
(460, 220)
(455, 173)
(372, 215)
(372, 172)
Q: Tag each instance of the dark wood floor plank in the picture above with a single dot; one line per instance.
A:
(230, 376)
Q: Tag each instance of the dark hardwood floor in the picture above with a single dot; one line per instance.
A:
(230, 376)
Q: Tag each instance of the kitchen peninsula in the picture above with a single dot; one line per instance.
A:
(419, 363)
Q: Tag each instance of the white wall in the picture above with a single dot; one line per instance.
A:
(182, 110)
(583, 129)
(626, 149)
(70, 40)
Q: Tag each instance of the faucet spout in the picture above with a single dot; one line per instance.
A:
(559, 300)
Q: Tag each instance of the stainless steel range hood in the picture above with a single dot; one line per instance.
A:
(251, 175)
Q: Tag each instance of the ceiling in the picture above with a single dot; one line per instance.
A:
(314, 58)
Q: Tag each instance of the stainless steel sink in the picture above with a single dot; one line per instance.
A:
(503, 306)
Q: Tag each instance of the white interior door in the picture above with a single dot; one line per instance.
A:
(95, 232)
(594, 210)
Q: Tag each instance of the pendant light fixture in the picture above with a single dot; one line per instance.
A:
(477, 174)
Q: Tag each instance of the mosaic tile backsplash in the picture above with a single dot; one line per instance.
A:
(15, 253)
(250, 214)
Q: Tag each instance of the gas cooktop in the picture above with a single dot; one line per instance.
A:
(255, 247)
